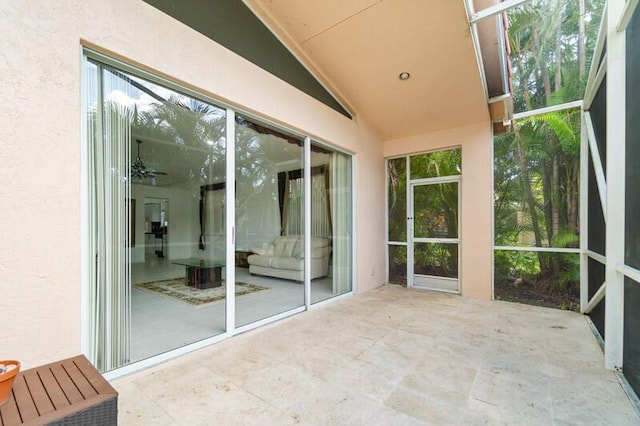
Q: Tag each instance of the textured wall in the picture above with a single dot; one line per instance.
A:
(41, 257)
(476, 228)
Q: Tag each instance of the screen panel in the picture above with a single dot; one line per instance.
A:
(598, 113)
(596, 278)
(596, 224)
(632, 195)
(631, 352)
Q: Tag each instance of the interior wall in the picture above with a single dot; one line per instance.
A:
(180, 233)
(41, 253)
(476, 228)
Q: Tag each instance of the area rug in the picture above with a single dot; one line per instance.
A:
(177, 290)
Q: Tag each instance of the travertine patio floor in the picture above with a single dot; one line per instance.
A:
(391, 356)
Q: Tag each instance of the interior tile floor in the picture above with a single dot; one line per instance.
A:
(390, 356)
(160, 324)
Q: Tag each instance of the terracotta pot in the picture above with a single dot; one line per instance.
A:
(6, 380)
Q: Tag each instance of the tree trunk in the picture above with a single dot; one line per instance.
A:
(546, 193)
(524, 84)
(582, 55)
(574, 196)
(555, 191)
(558, 73)
(544, 73)
(526, 185)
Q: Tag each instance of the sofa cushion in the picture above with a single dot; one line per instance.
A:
(319, 253)
(284, 245)
(258, 260)
(298, 248)
(291, 263)
(265, 250)
(318, 242)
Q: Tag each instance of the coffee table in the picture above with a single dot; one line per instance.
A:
(202, 273)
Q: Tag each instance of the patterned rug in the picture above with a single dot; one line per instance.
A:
(176, 289)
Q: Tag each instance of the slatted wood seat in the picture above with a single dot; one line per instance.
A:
(67, 392)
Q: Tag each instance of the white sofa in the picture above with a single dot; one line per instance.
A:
(283, 258)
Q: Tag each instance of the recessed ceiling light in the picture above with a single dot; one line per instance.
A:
(404, 76)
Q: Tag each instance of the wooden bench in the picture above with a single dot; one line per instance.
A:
(67, 392)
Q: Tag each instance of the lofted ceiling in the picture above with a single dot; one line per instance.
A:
(358, 48)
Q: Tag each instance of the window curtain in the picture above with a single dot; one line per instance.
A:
(109, 128)
(341, 209)
(291, 192)
(320, 210)
(295, 207)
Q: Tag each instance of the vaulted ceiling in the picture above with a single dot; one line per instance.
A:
(358, 48)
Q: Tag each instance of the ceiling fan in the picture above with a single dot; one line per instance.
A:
(138, 169)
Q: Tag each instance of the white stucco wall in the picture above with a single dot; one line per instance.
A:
(476, 230)
(41, 150)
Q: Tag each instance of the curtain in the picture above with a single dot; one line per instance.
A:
(291, 191)
(341, 217)
(295, 207)
(110, 290)
(320, 215)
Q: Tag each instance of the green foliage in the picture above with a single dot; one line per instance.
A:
(536, 169)
(511, 264)
(546, 50)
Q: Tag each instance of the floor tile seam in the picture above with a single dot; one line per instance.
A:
(349, 354)
(350, 391)
(397, 377)
(474, 383)
(258, 397)
(422, 396)
(454, 389)
(337, 353)
(158, 406)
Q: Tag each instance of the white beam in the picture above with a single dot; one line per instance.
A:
(614, 242)
(597, 257)
(597, 164)
(495, 10)
(546, 110)
(584, 214)
(230, 226)
(536, 249)
(627, 14)
(597, 298)
(629, 272)
(307, 223)
(595, 64)
(593, 85)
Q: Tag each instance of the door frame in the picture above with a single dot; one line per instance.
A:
(411, 239)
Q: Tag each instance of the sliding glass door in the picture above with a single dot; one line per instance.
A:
(330, 227)
(269, 221)
(157, 232)
(197, 219)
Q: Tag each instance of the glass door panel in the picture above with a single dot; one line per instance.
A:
(435, 209)
(331, 244)
(436, 265)
(158, 238)
(269, 237)
(435, 239)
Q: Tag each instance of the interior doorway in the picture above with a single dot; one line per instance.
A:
(156, 229)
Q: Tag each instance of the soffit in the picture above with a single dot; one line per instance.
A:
(359, 47)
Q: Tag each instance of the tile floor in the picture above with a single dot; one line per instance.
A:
(391, 356)
(160, 324)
